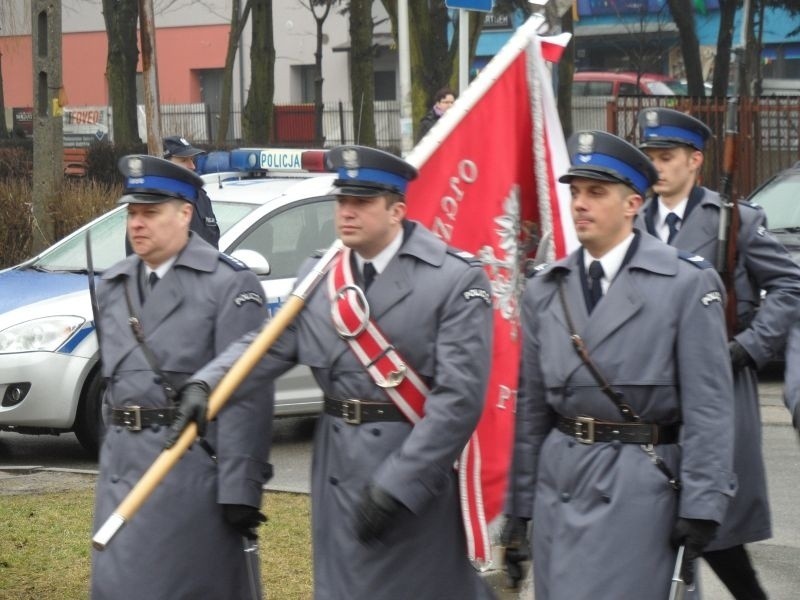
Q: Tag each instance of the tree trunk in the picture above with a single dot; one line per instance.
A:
(683, 15)
(319, 138)
(121, 17)
(258, 111)
(362, 84)
(722, 61)
(3, 124)
(237, 25)
(566, 70)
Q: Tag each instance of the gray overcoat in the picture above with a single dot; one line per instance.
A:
(762, 264)
(421, 303)
(178, 545)
(603, 512)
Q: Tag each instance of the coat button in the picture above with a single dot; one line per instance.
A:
(606, 498)
(155, 427)
(375, 431)
(336, 427)
(114, 478)
(565, 497)
(333, 480)
(157, 380)
(570, 442)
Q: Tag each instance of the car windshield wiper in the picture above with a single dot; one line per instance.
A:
(785, 230)
(39, 268)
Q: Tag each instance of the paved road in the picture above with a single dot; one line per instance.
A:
(777, 560)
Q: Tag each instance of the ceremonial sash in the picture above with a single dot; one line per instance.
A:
(351, 318)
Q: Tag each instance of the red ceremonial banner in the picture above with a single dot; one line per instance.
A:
(487, 184)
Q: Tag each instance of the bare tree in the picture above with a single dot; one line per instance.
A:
(683, 15)
(121, 18)
(238, 21)
(258, 111)
(362, 84)
(319, 19)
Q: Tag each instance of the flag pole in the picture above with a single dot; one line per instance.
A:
(404, 59)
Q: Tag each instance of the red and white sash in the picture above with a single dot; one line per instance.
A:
(351, 318)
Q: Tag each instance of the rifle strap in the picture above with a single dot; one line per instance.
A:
(624, 409)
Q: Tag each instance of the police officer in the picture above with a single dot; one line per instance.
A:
(623, 356)
(686, 215)
(385, 497)
(164, 312)
(204, 222)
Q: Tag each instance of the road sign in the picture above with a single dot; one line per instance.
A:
(479, 5)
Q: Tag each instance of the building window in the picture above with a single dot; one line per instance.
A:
(302, 87)
(385, 85)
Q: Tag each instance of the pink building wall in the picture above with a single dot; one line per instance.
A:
(181, 52)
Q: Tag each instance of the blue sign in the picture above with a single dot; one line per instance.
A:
(480, 5)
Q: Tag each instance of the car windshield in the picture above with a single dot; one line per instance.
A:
(108, 240)
(659, 88)
(779, 201)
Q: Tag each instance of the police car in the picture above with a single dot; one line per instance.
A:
(271, 219)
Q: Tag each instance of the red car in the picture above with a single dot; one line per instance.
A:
(623, 83)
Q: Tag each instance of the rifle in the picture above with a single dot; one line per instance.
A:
(729, 217)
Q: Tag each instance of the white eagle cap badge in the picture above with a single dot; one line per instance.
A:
(135, 167)
(651, 118)
(350, 161)
(585, 143)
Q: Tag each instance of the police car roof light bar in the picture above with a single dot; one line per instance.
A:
(259, 160)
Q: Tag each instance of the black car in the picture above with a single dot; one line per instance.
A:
(779, 196)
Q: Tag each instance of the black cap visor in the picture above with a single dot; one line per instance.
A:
(665, 143)
(184, 152)
(342, 187)
(592, 173)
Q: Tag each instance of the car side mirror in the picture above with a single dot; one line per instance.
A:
(254, 261)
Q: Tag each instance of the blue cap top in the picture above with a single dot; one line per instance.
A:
(666, 128)
(606, 157)
(151, 180)
(366, 171)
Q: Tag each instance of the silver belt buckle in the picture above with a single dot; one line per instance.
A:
(356, 418)
(132, 418)
(584, 430)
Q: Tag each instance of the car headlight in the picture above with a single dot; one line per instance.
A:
(45, 334)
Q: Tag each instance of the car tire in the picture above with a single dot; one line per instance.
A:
(89, 427)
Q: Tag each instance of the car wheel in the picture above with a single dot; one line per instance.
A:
(89, 427)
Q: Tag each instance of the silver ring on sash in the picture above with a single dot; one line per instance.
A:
(362, 300)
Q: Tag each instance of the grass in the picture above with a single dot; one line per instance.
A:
(45, 546)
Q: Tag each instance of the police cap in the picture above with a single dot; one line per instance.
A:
(368, 172)
(606, 157)
(666, 128)
(175, 145)
(151, 180)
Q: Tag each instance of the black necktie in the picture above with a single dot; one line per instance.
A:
(595, 287)
(152, 280)
(672, 221)
(369, 274)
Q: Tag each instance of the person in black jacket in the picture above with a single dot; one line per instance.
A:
(442, 101)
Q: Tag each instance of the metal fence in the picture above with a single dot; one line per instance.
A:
(768, 142)
(293, 124)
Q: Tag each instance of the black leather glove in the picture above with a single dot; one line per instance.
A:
(193, 406)
(695, 534)
(375, 514)
(243, 518)
(739, 356)
(514, 538)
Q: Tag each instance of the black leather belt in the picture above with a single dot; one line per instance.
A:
(588, 431)
(355, 411)
(136, 418)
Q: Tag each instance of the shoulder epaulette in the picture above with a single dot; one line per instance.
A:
(695, 259)
(537, 270)
(749, 204)
(232, 262)
(467, 257)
